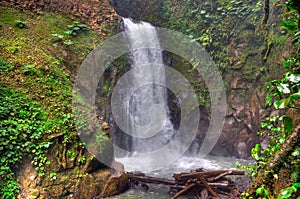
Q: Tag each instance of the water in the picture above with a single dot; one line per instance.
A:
(184, 164)
(147, 121)
(145, 112)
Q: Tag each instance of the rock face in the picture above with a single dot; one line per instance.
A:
(138, 9)
(249, 66)
(95, 13)
(69, 183)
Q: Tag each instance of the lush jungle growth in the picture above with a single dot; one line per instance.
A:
(277, 172)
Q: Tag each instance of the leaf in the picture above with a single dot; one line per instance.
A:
(203, 12)
(294, 78)
(255, 152)
(287, 64)
(76, 28)
(266, 193)
(259, 191)
(291, 26)
(59, 36)
(283, 103)
(285, 193)
(283, 88)
(269, 99)
(20, 24)
(294, 97)
(68, 42)
(68, 32)
(296, 184)
(296, 152)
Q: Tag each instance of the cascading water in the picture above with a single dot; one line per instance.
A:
(145, 101)
(153, 131)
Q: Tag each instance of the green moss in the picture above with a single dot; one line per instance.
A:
(281, 40)
(32, 62)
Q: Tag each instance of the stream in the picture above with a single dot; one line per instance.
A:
(184, 164)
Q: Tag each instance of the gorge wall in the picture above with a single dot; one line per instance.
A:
(230, 31)
(245, 51)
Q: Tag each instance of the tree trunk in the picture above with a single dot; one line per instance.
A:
(266, 175)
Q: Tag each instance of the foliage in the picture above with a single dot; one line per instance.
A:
(4, 66)
(284, 93)
(74, 29)
(262, 193)
(213, 24)
(20, 24)
(31, 64)
(21, 132)
(289, 191)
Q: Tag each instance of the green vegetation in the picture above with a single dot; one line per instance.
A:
(74, 29)
(4, 66)
(22, 128)
(39, 55)
(35, 90)
(281, 159)
(210, 23)
(20, 24)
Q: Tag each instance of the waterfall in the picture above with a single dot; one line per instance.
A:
(154, 130)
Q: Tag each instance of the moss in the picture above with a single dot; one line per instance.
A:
(41, 68)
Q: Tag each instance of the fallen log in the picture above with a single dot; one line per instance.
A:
(202, 179)
(152, 180)
(196, 182)
(222, 175)
(208, 174)
(188, 187)
(221, 184)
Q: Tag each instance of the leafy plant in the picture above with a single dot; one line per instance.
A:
(71, 154)
(286, 89)
(4, 66)
(68, 42)
(82, 159)
(262, 192)
(53, 176)
(284, 93)
(20, 24)
(21, 132)
(74, 29)
(289, 191)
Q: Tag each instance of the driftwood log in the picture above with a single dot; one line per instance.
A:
(199, 183)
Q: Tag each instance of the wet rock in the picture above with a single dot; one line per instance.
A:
(241, 148)
(145, 187)
(34, 193)
(68, 182)
(116, 184)
(138, 9)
